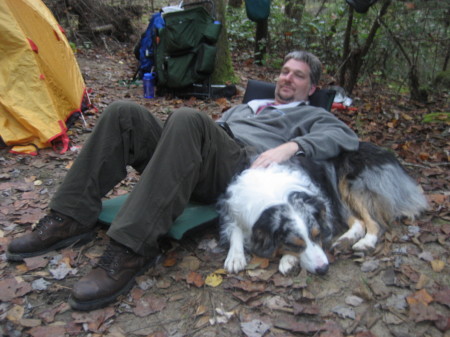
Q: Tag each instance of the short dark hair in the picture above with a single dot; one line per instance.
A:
(311, 60)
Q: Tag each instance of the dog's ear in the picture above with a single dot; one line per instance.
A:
(267, 230)
(322, 219)
(298, 199)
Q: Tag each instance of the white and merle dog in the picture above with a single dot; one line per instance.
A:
(293, 208)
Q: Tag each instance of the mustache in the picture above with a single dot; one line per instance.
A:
(286, 86)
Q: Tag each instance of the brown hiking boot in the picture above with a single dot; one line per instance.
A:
(53, 231)
(113, 276)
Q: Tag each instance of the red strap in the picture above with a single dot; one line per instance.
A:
(62, 29)
(33, 46)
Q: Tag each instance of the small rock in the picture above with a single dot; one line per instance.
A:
(413, 230)
(344, 312)
(369, 266)
(353, 300)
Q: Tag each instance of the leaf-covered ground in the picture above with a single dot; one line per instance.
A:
(403, 289)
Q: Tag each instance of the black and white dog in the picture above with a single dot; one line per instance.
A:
(293, 208)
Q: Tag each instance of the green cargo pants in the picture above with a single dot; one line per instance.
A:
(189, 157)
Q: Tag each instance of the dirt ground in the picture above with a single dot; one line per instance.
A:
(402, 290)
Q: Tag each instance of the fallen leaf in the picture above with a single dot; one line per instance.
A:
(247, 286)
(245, 297)
(423, 281)
(214, 280)
(255, 328)
(365, 334)
(195, 279)
(35, 262)
(163, 283)
(30, 322)
(282, 281)
(412, 274)
(420, 312)
(48, 315)
(149, 305)
(305, 309)
(201, 309)
(94, 319)
(276, 303)
(443, 296)
(421, 296)
(443, 323)
(258, 262)
(190, 263)
(11, 288)
(202, 321)
(292, 325)
(15, 313)
(45, 331)
(21, 268)
(136, 293)
(170, 260)
(437, 265)
(426, 256)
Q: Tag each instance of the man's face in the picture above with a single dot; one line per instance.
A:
(294, 83)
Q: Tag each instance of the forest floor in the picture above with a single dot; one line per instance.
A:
(402, 289)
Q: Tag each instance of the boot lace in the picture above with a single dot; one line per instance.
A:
(49, 219)
(111, 258)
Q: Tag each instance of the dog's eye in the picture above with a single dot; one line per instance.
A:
(294, 242)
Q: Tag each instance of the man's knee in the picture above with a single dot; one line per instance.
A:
(121, 107)
(126, 113)
(188, 116)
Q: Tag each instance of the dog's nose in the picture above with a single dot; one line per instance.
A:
(322, 270)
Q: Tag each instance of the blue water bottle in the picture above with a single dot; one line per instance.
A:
(149, 85)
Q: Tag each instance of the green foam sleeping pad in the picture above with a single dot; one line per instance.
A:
(194, 215)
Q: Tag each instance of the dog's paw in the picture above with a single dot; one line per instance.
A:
(348, 239)
(355, 233)
(342, 245)
(287, 264)
(234, 263)
(367, 243)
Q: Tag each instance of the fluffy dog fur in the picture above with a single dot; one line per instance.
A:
(296, 207)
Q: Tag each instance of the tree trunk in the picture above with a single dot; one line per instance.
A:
(235, 3)
(261, 38)
(224, 72)
(354, 59)
(346, 49)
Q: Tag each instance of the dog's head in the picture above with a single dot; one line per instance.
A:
(295, 228)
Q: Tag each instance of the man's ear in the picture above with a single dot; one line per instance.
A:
(312, 89)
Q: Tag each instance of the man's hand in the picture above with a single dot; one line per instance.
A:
(278, 154)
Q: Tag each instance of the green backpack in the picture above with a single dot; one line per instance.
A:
(186, 51)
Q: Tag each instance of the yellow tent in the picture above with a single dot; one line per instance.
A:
(40, 82)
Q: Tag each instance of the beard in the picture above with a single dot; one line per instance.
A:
(284, 98)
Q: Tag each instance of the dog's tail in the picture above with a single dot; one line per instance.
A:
(378, 180)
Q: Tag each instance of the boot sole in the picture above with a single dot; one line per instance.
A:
(104, 301)
(78, 239)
